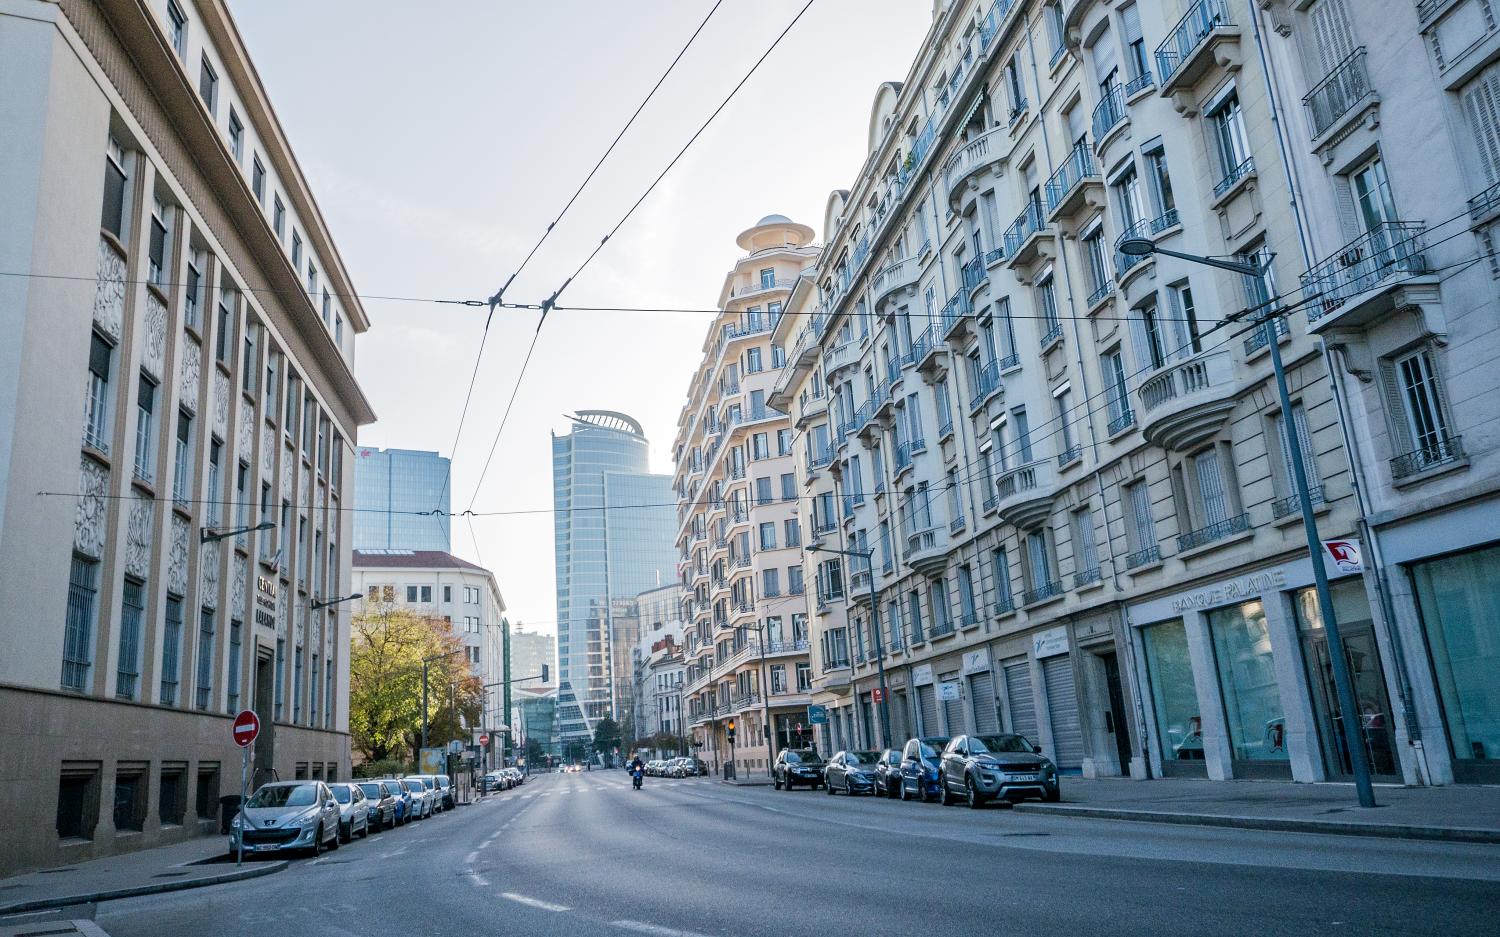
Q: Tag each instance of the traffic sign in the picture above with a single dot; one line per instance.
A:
(484, 739)
(817, 715)
(877, 695)
(246, 728)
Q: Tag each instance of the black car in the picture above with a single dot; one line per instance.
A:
(851, 772)
(888, 773)
(382, 804)
(797, 766)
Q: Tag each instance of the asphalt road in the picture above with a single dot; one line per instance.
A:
(583, 854)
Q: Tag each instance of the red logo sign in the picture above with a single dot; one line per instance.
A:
(246, 728)
(877, 695)
(484, 739)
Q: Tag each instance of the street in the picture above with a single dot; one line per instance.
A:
(583, 854)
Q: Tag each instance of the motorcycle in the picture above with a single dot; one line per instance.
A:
(635, 778)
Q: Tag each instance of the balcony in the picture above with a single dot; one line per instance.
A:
(957, 313)
(986, 387)
(1069, 454)
(820, 458)
(1145, 557)
(1024, 236)
(1234, 177)
(926, 347)
(927, 549)
(1355, 286)
(762, 286)
(1205, 37)
(1042, 593)
(1109, 114)
(1070, 188)
(1436, 452)
(1024, 494)
(1261, 337)
(903, 457)
(1292, 504)
(1121, 421)
(1218, 530)
(859, 586)
(1339, 94)
(963, 170)
(1124, 262)
(881, 399)
(974, 273)
(1485, 205)
(893, 278)
(1186, 402)
(1087, 577)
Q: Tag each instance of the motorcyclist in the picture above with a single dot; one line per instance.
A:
(637, 769)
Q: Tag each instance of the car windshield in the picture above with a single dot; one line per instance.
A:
(803, 758)
(980, 744)
(371, 790)
(863, 758)
(284, 795)
(341, 794)
(414, 786)
(932, 747)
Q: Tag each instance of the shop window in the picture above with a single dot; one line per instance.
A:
(1460, 611)
(130, 796)
(1247, 680)
(77, 799)
(171, 795)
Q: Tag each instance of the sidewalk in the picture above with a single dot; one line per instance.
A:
(148, 871)
(1456, 813)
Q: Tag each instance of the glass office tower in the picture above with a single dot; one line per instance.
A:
(614, 529)
(388, 482)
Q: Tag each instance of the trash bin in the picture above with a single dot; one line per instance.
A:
(229, 805)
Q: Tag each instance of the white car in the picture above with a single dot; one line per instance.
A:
(354, 810)
(421, 798)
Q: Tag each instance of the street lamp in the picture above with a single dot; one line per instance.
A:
(1344, 685)
(326, 603)
(765, 695)
(885, 705)
(211, 534)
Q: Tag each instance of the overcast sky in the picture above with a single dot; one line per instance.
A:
(439, 146)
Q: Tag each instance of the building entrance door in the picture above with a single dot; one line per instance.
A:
(1115, 720)
(265, 707)
(1369, 690)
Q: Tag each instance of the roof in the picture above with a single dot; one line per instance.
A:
(412, 559)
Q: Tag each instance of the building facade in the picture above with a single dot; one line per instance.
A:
(613, 538)
(198, 384)
(657, 615)
(391, 487)
(1069, 463)
(529, 653)
(739, 535)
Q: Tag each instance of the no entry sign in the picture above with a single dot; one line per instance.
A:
(484, 740)
(246, 728)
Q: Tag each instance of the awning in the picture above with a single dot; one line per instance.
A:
(973, 109)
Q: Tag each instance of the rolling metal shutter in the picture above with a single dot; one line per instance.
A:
(1018, 698)
(927, 705)
(953, 709)
(982, 701)
(1062, 712)
(900, 728)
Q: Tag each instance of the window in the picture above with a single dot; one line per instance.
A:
(789, 487)
(171, 795)
(770, 583)
(1183, 309)
(182, 474)
(145, 430)
(1136, 63)
(316, 686)
(112, 216)
(1481, 100)
(794, 583)
(193, 301)
(129, 667)
(206, 797)
(233, 680)
(1230, 141)
(312, 280)
(327, 309)
(177, 27)
(1000, 561)
(1055, 31)
(215, 492)
(1113, 366)
(760, 446)
(784, 442)
(236, 136)
(130, 796)
(411, 594)
(224, 339)
(447, 595)
(427, 594)
(1161, 190)
(1085, 549)
(767, 278)
(296, 249)
(279, 687)
(778, 678)
(1140, 527)
(248, 365)
(208, 86)
(77, 800)
(338, 329)
(204, 686)
(804, 677)
(1418, 413)
(1038, 563)
(914, 616)
(156, 248)
(752, 361)
(966, 595)
(299, 656)
(793, 531)
(778, 354)
(768, 536)
(763, 491)
(258, 180)
(171, 650)
(1096, 259)
(278, 217)
(1286, 470)
(1046, 299)
(937, 597)
(1154, 350)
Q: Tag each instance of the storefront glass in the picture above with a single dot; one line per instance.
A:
(1459, 597)
(1357, 631)
(1173, 697)
(1247, 679)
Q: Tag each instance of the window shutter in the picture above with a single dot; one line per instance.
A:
(1211, 488)
(1395, 409)
(1334, 35)
(1482, 102)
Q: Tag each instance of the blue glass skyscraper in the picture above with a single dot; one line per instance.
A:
(615, 526)
(390, 485)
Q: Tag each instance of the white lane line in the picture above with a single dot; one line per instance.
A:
(641, 927)
(469, 859)
(479, 880)
(534, 902)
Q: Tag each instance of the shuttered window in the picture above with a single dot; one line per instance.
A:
(1304, 440)
(1212, 497)
(1482, 104)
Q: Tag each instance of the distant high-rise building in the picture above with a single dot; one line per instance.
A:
(528, 652)
(614, 530)
(390, 486)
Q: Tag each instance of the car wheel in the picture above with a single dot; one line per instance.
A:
(945, 796)
(1054, 795)
(776, 783)
(317, 843)
(848, 788)
(972, 797)
(901, 791)
(337, 839)
(346, 833)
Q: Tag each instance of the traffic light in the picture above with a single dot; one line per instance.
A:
(731, 730)
(544, 674)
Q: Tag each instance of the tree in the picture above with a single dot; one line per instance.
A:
(387, 646)
(607, 736)
(536, 753)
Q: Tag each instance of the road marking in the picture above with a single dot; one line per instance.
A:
(469, 859)
(534, 902)
(642, 927)
(479, 880)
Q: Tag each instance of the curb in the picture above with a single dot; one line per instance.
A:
(1446, 834)
(43, 904)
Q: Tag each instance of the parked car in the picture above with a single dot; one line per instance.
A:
(287, 815)
(681, 768)
(421, 801)
(979, 768)
(700, 767)
(919, 767)
(405, 800)
(516, 775)
(445, 788)
(797, 766)
(851, 772)
(888, 773)
(382, 804)
(493, 781)
(354, 810)
(434, 796)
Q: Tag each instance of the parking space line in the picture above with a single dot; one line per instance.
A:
(641, 927)
(534, 902)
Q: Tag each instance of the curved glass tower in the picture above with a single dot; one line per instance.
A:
(614, 529)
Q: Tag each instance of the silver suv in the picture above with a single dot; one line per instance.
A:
(979, 768)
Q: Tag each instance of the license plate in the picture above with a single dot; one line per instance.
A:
(263, 847)
(1020, 777)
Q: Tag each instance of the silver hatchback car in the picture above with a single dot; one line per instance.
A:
(287, 815)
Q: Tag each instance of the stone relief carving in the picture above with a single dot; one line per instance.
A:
(221, 403)
(177, 557)
(154, 357)
(304, 487)
(138, 537)
(287, 458)
(267, 451)
(190, 373)
(245, 434)
(281, 610)
(109, 293)
(237, 587)
(88, 518)
(209, 564)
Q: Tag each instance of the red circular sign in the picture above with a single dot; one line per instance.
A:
(246, 728)
(484, 740)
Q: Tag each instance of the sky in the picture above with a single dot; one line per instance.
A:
(440, 147)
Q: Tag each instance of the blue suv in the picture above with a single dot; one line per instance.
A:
(920, 759)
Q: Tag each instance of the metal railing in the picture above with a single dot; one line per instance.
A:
(1124, 261)
(1388, 248)
(955, 309)
(1053, 333)
(1087, 577)
(903, 457)
(974, 272)
(1027, 223)
(987, 385)
(1215, 531)
(1142, 557)
(957, 524)
(1078, 166)
(1261, 337)
(820, 457)
(1108, 112)
(1291, 504)
(1439, 451)
(1165, 220)
(1046, 590)
(1125, 419)
(1202, 19)
(1485, 203)
(1232, 178)
(1069, 454)
(1338, 92)
(1140, 82)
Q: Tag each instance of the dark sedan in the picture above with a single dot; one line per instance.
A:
(919, 767)
(979, 768)
(382, 804)
(851, 773)
(888, 773)
(796, 766)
